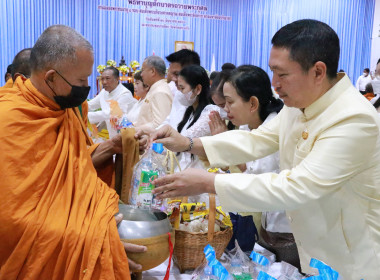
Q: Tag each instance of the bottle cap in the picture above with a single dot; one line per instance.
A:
(158, 148)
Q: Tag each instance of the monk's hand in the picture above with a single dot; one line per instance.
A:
(171, 139)
(216, 123)
(131, 248)
(186, 183)
(143, 140)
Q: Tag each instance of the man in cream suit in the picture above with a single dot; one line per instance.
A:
(158, 101)
(328, 138)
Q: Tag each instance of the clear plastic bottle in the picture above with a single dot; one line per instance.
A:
(207, 274)
(236, 268)
(146, 170)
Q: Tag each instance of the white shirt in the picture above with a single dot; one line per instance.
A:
(376, 86)
(199, 129)
(329, 182)
(120, 94)
(362, 82)
(177, 111)
(273, 221)
(133, 114)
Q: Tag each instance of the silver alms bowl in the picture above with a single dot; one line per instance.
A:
(142, 223)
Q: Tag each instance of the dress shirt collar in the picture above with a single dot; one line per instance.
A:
(116, 89)
(328, 98)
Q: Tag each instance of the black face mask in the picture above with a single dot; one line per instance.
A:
(76, 97)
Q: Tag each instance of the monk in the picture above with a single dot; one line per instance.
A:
(57, 216)
(19, 67)
(21, 64)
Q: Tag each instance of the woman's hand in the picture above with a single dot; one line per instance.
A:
(186, 183)
(216, 123)
(131, 248)
(171, 139)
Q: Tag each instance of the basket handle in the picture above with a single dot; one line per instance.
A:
(211, 218)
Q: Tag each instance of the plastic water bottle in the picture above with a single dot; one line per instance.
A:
(146, 170)
(236, 268)
(207, 274)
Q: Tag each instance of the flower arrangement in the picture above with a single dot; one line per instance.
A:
(123, 69)
(100, 68)
(111, 62)
(134, 64)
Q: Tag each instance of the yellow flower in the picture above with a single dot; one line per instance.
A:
(111, 62)
(101, 68)
(134, 64)
(123, 69)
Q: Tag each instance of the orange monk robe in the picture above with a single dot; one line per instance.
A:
(8, 84)
(106, 172)
(56, 215)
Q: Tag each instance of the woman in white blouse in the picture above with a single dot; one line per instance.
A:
(141, 91)
(249, 102)
(194, 84)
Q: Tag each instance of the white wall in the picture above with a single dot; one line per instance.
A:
(375, 49)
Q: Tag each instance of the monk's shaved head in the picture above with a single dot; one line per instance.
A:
(57, 45)
(21, 64)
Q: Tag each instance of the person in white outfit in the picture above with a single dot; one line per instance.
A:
(158, 102)
(177, 61)
(328, 185)
(194, 85)
(112, 90)
(363, 80)
(141, 90)
(249, 103)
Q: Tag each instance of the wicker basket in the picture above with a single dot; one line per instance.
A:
(188, 249)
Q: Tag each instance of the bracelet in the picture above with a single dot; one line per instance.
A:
(191, 144)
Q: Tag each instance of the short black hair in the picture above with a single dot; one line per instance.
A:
(378, 61)
(213, 75)
(218, 83)
(21, 63)
(308, 42)
(115, 71)
(9, 69)
(228, 66)
(184, 57)
(369, 88)
(366, 70)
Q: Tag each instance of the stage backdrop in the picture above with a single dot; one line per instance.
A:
(237, 31)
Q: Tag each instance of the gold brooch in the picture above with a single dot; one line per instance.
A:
(146, 100)
(305, 134)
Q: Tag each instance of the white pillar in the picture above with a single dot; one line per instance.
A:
(375, 49)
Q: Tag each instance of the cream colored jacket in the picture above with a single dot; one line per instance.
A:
(156, 106)
(329, 182)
